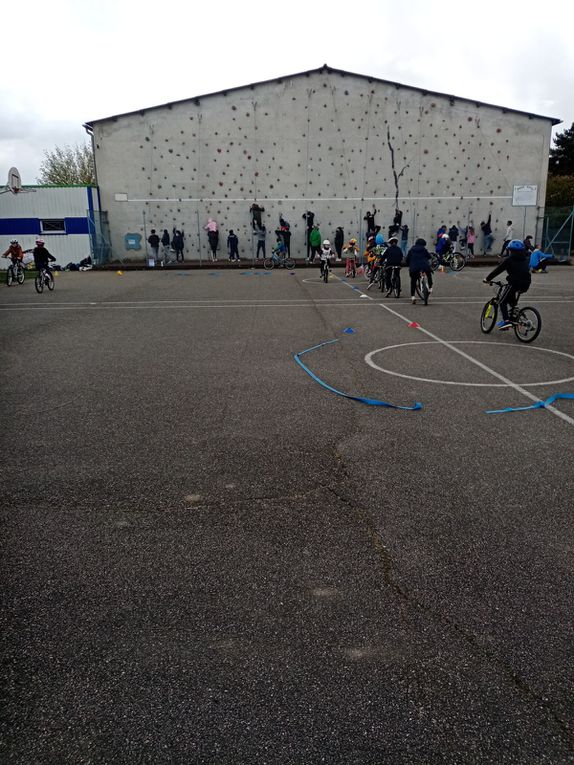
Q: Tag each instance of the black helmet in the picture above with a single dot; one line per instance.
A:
(421, 242)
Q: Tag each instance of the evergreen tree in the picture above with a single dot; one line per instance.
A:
(68, 165)
(562, 153)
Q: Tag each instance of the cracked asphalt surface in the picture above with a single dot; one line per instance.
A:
(209, 558)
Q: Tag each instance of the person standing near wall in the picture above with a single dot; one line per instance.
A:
(285, 230)
(261, 235)
(213, 237)
(508, 236)
(177, 244)
(310, 218)
(487, 238)
(470, 240)
(404, 238)
(315, 242)
(233, 245)
(165, 247)
(339, 241)
(153, 241)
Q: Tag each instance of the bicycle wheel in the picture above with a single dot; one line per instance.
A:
(433, 262)
(268, 264)
(488, 316)
(396, 284)
(325, 273)
(528, 324)
(9, 276)
(20, 275)
(39, 283)
(50, 282)
(425, 289)
(289, 263)
(367, 272)
(457, 261)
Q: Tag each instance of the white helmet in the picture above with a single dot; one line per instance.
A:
(326, 243)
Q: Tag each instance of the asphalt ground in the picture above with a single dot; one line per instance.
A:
(207, 557)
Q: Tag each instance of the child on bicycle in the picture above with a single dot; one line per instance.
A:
(418, 260)
(14, 252)
(42, 258)
(442, 247)
(392, 258)
(517, 266)
(325, 254)
(351, 250)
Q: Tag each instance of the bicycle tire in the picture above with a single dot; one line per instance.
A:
(20, 276)
(289, 263)
(50, 282)
(528, 324)
(433, 262)
(457, 261)
(39, 284)
(268, 264)
(488, 316)
(9, 276)
(367, 271)
(325, 273)
(425, 289)
(396, 285)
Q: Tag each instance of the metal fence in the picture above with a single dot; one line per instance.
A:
(557, 232)
(100, 243)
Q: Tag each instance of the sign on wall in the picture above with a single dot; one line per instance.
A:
(524, 196)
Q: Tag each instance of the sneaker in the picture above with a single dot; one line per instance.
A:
(504, 324)
(413, 300)
(430, 290)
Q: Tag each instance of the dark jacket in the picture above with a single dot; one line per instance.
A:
(232, 242)
(165, 238)
(418, 259)
(339, 237)
(517, 266)
(42, 257)
(394, 256)
(177, 241)
(153, 240)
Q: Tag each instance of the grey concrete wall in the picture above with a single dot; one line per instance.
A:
(332, 143)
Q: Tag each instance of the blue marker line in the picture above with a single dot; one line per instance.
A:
(537, 405)
(369, 401)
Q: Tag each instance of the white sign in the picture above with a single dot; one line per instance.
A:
(524, 196)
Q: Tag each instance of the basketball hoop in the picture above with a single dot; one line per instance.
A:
(14, 185)
(14, 180)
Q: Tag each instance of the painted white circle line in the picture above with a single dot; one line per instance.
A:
(370, 362)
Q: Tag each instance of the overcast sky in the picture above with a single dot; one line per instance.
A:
(70, 61)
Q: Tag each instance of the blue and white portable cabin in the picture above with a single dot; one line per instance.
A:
(61, 215)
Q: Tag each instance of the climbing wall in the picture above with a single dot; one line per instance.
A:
(333, 143)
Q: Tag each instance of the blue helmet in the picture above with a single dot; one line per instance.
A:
(379, 239)
(515, 244)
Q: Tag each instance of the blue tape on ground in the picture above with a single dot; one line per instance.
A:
(349, 331)
(537, 405)
(360, 399)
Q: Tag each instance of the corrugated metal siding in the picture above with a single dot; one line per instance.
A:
(46, 203)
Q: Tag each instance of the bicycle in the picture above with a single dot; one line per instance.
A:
(526, 321)
(325, 270)
(454, 260)
(15, 273)
(422, 287)
(350, 268)
(44, 277)
(395, 284)
(278, 261)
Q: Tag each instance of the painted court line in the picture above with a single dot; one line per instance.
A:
(476, 362)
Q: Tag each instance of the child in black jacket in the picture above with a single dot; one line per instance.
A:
(517, 265)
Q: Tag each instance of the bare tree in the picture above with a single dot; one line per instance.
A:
(67, 165)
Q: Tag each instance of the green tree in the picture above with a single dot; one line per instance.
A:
(68, 165)
(560, 191)
(562, 153)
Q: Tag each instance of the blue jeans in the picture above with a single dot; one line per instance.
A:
(404, 245)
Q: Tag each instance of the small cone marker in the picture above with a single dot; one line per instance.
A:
(120, 273)
(414, 325)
